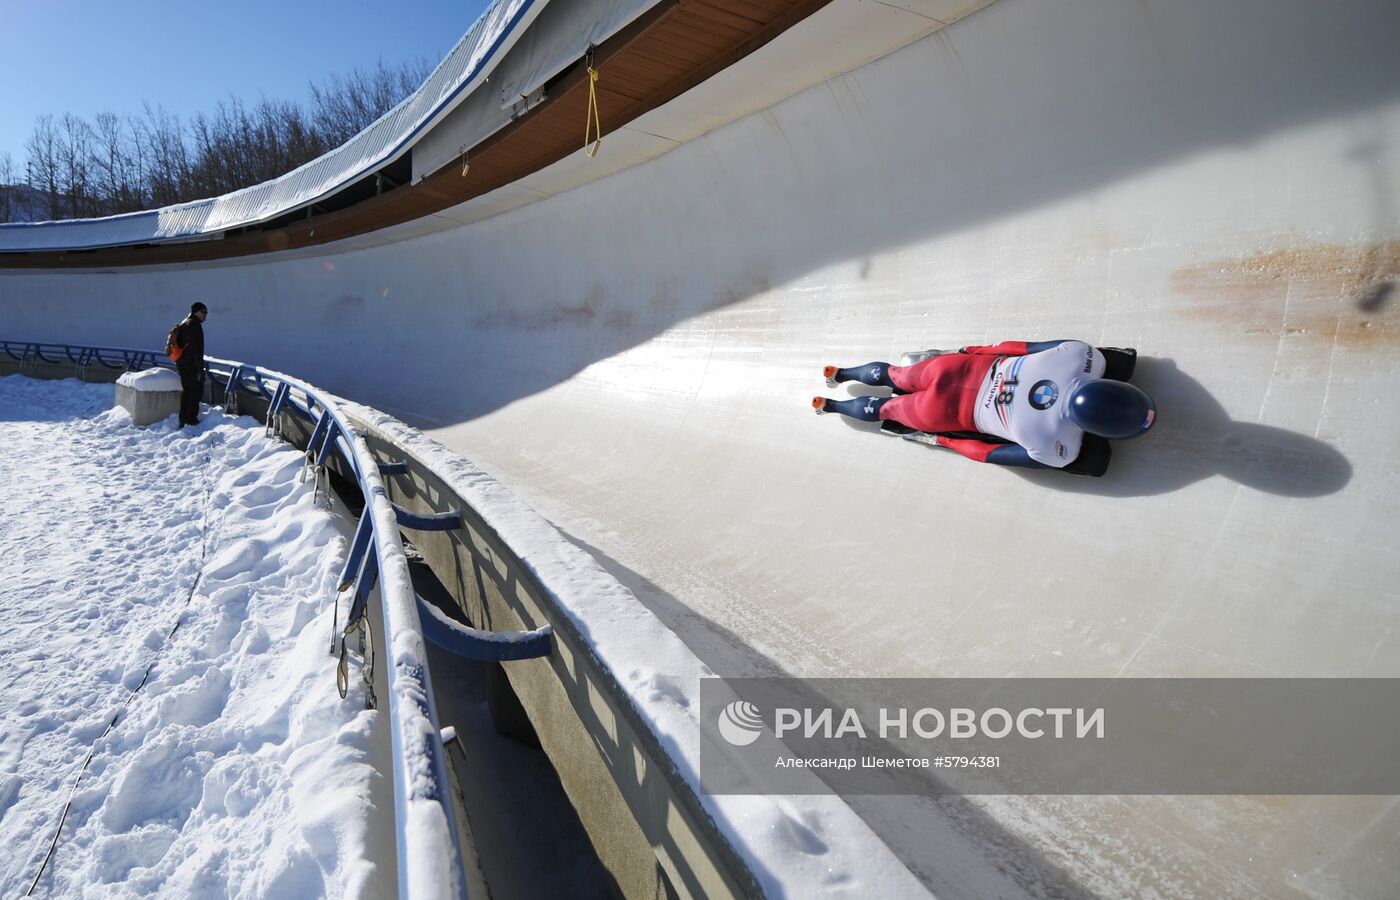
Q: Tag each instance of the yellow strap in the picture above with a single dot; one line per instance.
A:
(592, 123)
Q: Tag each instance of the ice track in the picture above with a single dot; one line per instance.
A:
(1214, 184)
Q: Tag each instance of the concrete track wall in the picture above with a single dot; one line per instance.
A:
(1212, 183)
(650, 832)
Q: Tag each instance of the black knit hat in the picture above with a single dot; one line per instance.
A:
(198, 307)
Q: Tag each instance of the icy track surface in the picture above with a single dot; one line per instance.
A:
(1217, 185)
(236, 771)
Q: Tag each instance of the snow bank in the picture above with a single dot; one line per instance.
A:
(236, 770)
(151, 380)
(797, 846)
(425, 833)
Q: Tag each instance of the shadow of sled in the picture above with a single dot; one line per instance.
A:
(1195, 438)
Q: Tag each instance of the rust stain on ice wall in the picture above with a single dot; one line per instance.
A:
(1349, 294)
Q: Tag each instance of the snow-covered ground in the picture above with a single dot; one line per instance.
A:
(236, 770)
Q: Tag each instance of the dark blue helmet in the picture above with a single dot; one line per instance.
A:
(1112, 409)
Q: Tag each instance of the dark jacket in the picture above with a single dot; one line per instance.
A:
(191, 337)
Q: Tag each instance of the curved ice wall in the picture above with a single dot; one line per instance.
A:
(1214, 184)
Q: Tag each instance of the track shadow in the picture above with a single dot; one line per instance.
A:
(1017, 107)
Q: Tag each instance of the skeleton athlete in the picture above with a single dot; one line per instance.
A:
(1040, 405)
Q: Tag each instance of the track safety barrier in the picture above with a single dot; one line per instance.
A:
(29, 354)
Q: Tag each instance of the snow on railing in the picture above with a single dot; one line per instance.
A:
(428, 844)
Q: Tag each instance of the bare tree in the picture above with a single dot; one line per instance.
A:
(122, 164)
(74, 157)
(348, 104)
(237, 146)
(164, 141)
(7, 188)
(117, 166)
(42, 167)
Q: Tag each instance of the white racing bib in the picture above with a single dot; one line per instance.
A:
(1025, 399)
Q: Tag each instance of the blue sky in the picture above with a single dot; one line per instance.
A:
(86, 56)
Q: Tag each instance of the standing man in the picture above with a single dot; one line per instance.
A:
(191, 363)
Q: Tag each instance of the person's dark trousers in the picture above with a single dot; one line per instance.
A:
(191, 390)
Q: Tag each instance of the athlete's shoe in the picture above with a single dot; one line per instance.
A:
(829, 373)
(819, 405)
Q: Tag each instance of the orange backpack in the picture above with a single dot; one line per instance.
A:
(172, 343)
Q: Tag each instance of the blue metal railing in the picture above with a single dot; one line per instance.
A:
(376, 556)
(30, 353)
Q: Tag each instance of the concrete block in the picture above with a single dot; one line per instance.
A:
(147, 406)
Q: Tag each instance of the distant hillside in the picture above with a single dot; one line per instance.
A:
(22, 203)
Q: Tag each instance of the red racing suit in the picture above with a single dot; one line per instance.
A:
(984, 390)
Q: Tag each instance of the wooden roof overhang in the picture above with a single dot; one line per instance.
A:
(671, 48)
